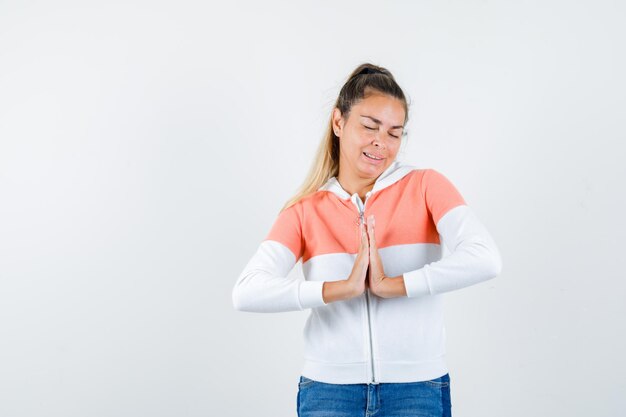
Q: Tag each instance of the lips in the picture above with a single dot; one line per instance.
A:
(374, 155)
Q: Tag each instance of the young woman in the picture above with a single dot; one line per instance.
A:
(367, 229)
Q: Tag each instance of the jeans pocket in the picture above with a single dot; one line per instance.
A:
(442, 381)
(305, 382)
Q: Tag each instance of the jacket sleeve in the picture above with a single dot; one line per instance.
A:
(474, 255)
(263, 285)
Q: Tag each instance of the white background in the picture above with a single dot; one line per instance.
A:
(146, 148)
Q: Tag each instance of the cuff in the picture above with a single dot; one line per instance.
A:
(310, 294)
(416, 283)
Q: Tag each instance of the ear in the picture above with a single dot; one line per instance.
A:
(337, 122)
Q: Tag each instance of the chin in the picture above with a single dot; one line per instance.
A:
(374, 169)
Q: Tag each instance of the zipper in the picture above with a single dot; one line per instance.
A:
(361, 208)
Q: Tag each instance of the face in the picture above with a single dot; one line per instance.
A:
(374, 126)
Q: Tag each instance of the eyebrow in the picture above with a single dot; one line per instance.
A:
(379, 122)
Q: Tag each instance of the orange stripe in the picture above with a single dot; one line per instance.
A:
(406, 213)
(440, 194)
(287, 229)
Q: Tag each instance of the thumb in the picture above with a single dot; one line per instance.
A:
(364, 238)
(371, 222)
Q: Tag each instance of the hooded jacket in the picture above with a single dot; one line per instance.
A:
(369, 339)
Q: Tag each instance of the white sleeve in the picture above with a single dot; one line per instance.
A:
(474, 256)
(263, 285)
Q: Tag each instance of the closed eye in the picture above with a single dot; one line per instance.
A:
(373, 128)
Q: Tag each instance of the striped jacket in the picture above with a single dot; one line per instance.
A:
(368, 339)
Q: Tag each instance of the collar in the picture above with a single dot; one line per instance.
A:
(389, 176)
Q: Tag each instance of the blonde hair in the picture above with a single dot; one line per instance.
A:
(326, 161)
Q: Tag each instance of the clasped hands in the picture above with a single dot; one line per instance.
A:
(378, 283)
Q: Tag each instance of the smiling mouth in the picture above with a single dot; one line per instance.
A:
(373, 157)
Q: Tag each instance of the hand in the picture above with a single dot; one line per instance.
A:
(357, 281)
(377, 278)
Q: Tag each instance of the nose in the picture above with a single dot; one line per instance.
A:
(378, 142)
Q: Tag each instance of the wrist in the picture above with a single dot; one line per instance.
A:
(338, 290)
(391, 287)
(351, 289)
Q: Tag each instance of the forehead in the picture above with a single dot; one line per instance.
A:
(389, 110)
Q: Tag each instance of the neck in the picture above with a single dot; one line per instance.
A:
(355, 184)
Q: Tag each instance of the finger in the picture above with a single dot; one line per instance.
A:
(364, 242)
(370, 229)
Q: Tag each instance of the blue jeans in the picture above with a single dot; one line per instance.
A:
(415, 399)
